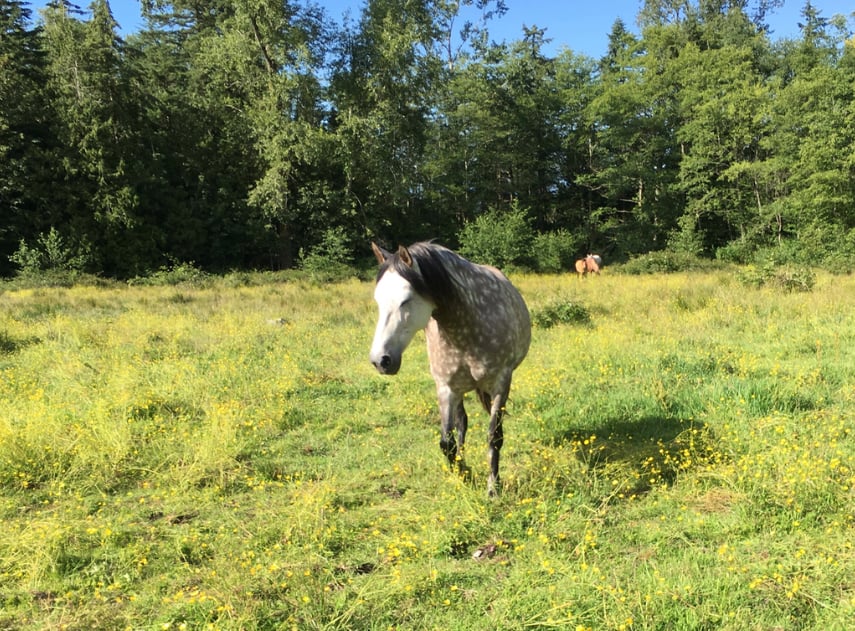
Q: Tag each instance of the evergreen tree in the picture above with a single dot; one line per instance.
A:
(724, 116)
(95, 130)
(25, 132)
(634, 153)
(501, 126)
(815, 138)
(383, 91)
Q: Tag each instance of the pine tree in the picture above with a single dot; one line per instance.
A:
(25, 131)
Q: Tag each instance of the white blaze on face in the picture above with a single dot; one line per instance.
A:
(402, 312)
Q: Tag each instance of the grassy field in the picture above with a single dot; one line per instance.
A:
(223, 456)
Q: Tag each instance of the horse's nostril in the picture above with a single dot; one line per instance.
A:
(385, 361)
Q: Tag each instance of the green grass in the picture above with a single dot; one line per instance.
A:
(223, 456)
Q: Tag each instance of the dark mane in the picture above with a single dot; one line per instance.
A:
(432, 278)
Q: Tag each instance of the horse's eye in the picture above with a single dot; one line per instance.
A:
(406, 302)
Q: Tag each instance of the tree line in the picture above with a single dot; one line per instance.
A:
(239, 134)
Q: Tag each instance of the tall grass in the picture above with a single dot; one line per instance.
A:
(223, 456)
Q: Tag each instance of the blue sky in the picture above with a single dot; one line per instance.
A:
(581, 25)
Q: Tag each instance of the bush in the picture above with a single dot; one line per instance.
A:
(51, 253)
(500, 238)
(787, 278)
(554, 251)
(55, 278)
(664, 261)
(330, 260)
(560, 311)
(830, 247)
(687, 239)
(176, 274)
(840, 261)
(738, 251)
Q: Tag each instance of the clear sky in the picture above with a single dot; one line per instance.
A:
(581, 25)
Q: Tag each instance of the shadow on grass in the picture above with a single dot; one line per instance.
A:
(10, 344)
(636, 456)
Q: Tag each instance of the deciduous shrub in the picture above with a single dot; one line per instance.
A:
(51, 253)
(175, 274)
(329, 260)
(560, 311)
(500, 238)
(787, 278)
(666, 261)
(553, 252)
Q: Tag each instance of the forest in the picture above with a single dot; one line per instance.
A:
(260, 134)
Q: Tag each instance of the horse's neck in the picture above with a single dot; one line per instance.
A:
(460, 314)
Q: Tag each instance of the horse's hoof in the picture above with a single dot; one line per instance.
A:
(494, 488)
(465, 472)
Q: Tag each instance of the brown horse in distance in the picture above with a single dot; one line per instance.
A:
(588, 265)
(592, 265)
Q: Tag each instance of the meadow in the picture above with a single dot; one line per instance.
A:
(221, 455)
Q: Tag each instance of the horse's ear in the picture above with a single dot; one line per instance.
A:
(404, 253)
(380, 253)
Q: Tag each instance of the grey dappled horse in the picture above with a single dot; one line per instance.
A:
(477, 327)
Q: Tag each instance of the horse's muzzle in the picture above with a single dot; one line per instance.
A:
(386, 364)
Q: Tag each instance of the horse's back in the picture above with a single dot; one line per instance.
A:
(487, 338)
(508, 316)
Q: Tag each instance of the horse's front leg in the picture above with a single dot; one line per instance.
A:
(453, 417)
(496, 437)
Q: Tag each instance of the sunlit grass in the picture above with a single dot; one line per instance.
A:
(225, 457)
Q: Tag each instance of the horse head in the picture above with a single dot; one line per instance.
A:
(402, 309)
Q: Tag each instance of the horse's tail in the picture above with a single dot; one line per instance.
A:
(486, 401)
